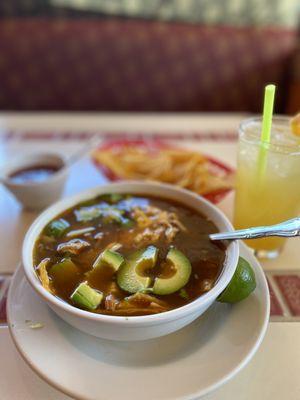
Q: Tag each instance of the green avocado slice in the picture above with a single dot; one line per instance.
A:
(64, 271)
(129, 276)
(164, 286)
(86, 297)
(57, 228)
(110, 257)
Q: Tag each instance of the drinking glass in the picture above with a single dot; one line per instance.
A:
(271, 195)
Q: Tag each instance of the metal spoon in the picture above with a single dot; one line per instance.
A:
(92, 143)
(287, 228)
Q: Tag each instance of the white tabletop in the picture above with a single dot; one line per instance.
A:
(272, 374)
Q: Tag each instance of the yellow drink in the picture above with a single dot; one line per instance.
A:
(273, 196)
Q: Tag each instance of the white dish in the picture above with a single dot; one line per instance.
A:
(181, 366)
(36, 195)
(141, 327)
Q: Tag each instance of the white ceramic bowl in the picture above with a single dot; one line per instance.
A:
(36, 195)
(140, 327)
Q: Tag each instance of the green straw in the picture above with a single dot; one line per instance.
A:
(266, 128)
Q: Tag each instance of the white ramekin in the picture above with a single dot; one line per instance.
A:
(140, 327)
(36, 195)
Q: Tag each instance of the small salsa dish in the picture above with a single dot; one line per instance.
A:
(129, 260)
(36, 180)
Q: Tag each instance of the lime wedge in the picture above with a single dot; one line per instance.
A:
(241, 285)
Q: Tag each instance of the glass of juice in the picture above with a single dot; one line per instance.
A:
(273, 195)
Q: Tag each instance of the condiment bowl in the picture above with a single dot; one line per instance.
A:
(135, 327)
(35, 195)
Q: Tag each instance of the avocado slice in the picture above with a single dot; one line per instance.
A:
(181, 277)
(86, 297)
(111, 197)
(63, 272)
(110, 257)
(129, 276)
(57, 228)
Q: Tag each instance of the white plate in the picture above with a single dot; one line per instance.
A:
(184, 365)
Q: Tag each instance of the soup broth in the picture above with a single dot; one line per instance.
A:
(128, 255)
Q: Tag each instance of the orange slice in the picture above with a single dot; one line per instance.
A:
(295, 124)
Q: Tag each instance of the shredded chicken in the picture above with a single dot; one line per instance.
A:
(149, 235)
(157, 307)
(74, 246)
(141, 217)
(136, 304)
(207, 284)
(43, 274)
(141, 304)
(143, 300)
(111, 302)
(99, 236)
(114, 246)
(156, 223)
(79, 232)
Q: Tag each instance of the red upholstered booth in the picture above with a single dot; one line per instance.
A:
(131, 65)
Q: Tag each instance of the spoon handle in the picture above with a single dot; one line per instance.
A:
(288, 228)
(92, 143)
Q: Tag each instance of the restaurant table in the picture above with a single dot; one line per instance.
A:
(273, 373)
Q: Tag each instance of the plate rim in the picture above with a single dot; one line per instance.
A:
(193, 396)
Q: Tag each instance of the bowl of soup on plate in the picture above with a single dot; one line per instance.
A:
(130, 260)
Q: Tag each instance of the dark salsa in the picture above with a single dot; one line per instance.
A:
(35, 173)
(128, 255)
